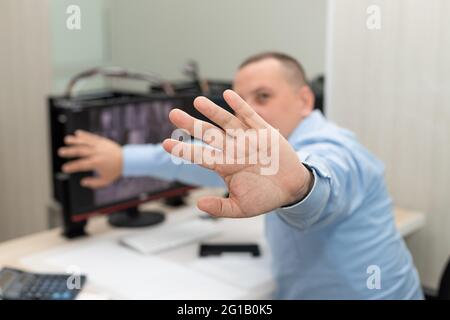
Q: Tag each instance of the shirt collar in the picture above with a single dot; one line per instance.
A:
(311, 123)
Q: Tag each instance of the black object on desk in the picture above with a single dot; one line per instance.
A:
(217, 249)
(20, 285)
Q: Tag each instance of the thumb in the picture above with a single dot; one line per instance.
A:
(220, 207)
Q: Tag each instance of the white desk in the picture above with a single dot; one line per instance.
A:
(17, 252)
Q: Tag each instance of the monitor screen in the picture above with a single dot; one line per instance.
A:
(125, 118)
(133, 123)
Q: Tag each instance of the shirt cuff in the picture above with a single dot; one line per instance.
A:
(304, 213)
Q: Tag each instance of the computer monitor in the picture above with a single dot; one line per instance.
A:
(127, 118)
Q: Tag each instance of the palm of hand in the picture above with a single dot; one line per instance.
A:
(251, 191)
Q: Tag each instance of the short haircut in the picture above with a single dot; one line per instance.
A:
(294, 69)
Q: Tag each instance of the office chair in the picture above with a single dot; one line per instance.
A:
(444, 286)
(443, 293)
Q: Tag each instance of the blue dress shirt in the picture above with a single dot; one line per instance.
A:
(340, 242)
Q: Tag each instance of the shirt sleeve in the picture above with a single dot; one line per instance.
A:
(153, 160)
(338, 189)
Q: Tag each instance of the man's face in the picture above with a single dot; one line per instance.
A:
(266, 86)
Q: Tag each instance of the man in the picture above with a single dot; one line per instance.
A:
(329, 217)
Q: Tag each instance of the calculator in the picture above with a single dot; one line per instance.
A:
(20, 285)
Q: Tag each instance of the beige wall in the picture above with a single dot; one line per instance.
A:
(391, 86)
(24, 82)
(160, 36)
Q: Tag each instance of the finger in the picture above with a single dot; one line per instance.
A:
(94, 182)
(81, 138)
(81, 165)
(73, 140)
(193, 153)
(87, 136)
(201, 130)
(75, 152)
(217, 114)
(220, 207)
(243, 110)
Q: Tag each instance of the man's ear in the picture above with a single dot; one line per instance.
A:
(308, 99)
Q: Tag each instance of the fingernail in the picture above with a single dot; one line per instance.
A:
(231, 95)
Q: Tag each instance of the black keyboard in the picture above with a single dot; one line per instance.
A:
(20, 285)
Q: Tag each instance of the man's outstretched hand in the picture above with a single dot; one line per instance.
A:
(253, 188)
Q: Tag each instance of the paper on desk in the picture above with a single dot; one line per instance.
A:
(129, 275)
(92, 296)
(244, 271)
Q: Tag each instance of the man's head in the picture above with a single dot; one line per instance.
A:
(274, 84)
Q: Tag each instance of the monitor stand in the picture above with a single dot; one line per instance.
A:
(133, 218)
(175, 202)
(73, 230)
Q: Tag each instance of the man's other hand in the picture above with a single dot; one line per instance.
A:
(93, 153)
